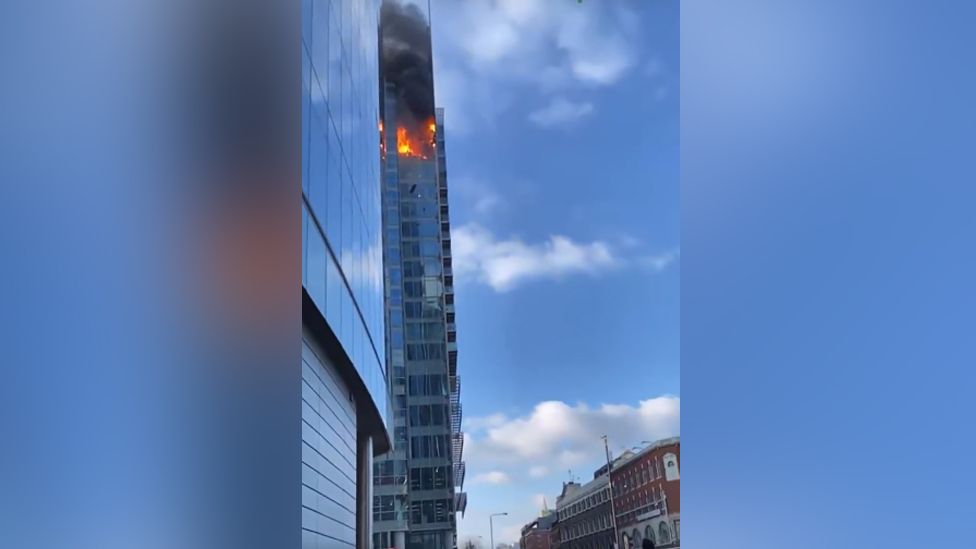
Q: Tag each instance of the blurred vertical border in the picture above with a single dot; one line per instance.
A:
(827, 268)
(150, 162)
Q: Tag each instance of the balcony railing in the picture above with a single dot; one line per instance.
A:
(456, 418)
(460, 502)
(457, 447)
(455, 389)
(459, 470)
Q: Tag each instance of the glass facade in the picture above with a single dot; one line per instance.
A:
(342, 271)
(342, 267)
(416, 485)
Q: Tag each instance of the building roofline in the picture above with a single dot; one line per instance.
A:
(657, 445)
(584, 490)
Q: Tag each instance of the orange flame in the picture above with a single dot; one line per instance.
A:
(418, 146)
(382, 140)
(405, 146)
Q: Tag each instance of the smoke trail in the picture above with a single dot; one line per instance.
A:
(406, 58)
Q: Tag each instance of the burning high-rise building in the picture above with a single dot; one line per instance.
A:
(417, 486)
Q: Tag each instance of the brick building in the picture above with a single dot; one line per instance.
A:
(554, 541)
(647, 496)
(538, 533)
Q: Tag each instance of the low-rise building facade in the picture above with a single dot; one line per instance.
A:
(554, 540)
(647, 495)
(538, 533)
(583, 513)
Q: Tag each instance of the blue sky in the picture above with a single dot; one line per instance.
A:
(562, 144)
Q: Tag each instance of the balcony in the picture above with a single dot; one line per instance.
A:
(455, 390)
(459, 470)
(457, 447)
(460, 502)
(456, 417)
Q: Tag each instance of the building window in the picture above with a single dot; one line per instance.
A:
(663, 533)
(383, 508)
(649, 533)
(671, 467)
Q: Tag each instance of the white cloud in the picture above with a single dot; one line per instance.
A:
(538, 471)
(481, 423)
(490, 43)
(481, 196)
(629, 241)
(599, 61)
(561, 436)
(491, 477)
(521, 507)
(485, 47)
(560, 111)
(468, 104)
(503, 264)
(509, 534)
(506, 263)
(569, 436)
(487, 203)
(660, 262)
(540, 500)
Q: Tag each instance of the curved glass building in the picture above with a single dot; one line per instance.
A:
(345, 402)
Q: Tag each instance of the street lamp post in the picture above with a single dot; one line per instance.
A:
(613, 508)
(491, 527)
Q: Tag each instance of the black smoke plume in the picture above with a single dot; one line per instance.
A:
(405, 45)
